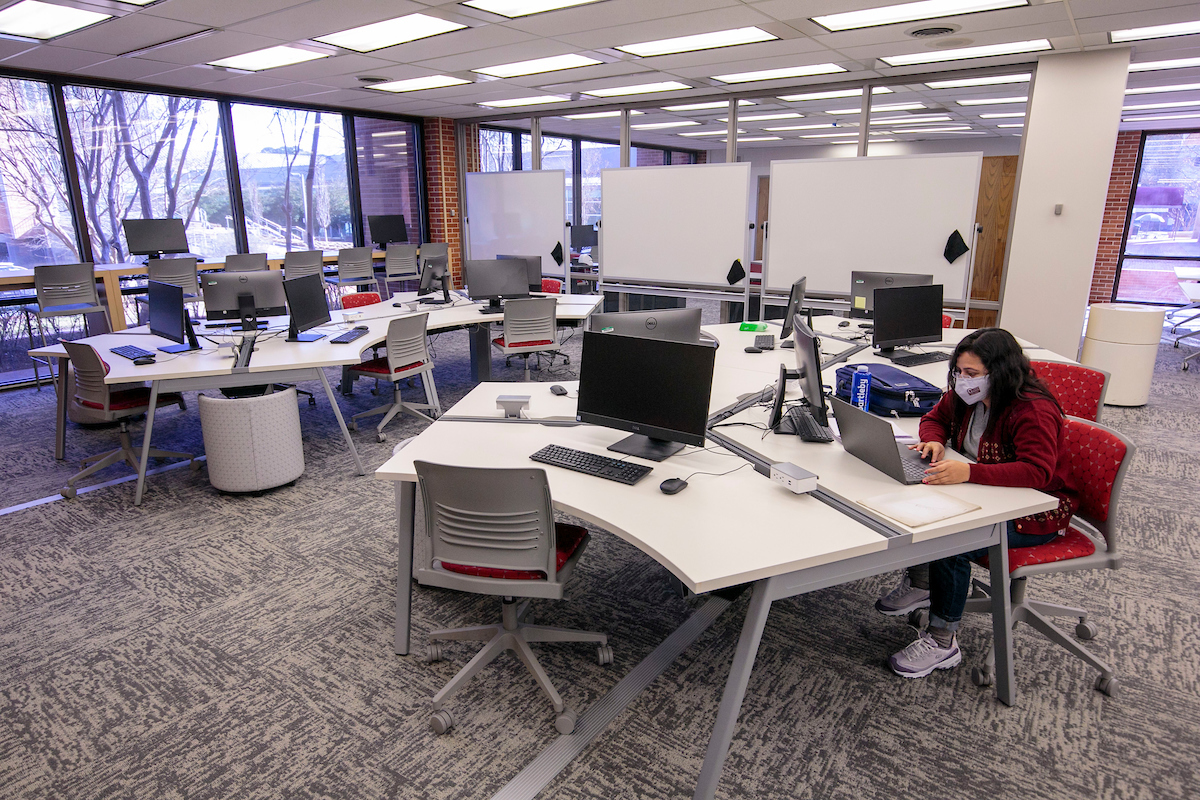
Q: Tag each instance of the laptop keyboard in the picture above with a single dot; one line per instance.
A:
(912, 467)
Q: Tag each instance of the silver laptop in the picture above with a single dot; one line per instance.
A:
(872, 439)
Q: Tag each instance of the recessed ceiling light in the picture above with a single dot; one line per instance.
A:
(706, 106)
(1179, 87)
(838, 135)
(914, 120)
(523, 8)
(538, 65)
(804, 127)
(1012, 125)
(757, 139)
(833, 95)
(598, 114)
(946, 129)
(785, 72)
(993, 101)
(1006, 49)
(722, 132)
(1155, 32)
(883, 108)
(409, 28)
(990, 80)
(1174, 63)
(417, 84)
(643, 88)
(1157, 117)
(1009, 115)
(869, 141)
(649, 126)
(700, 41)
(36, 20)
(1152, 106)
(524, 101)
(910, 12)
(760, 117)
(269, 58)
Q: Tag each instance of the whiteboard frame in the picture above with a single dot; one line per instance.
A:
(539, 206)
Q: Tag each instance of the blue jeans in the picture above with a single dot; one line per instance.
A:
(950, 579)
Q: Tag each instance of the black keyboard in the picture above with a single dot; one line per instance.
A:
(591, 464)
(348, 336)
(765, 341)
(130, 352)
(806, 426)
(917, 359)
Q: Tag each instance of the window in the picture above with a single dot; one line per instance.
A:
(147, 156)
(387, 171)
(295, 191)
(495, 150)
(593, 157)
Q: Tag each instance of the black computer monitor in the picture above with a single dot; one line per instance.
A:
(494, 280)
(864, 284)
(434, 271)
(656, 389)
(153, 237)
(244, 295)
(907, 315)
(387, 228)
(808, 365)
(672, 324)
(795, 303)
(307, 306)
(583, 236)
(168, 317)
(533, 267)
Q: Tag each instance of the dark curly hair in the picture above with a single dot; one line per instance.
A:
(1012, 376)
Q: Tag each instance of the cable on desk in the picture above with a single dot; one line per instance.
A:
(719, 474)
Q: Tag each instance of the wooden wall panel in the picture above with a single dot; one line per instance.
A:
(997, 182)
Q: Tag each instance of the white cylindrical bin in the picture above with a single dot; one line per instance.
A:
(1122, 338)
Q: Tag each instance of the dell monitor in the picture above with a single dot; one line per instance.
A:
(907, 315)
(671, 324)
(657, 390)
(495, 280)
(153, 237)
(864, 284)
(583, 236)
(433, 271)
(307, 306)
(795, 302)
(244, 295)
(808, 365)
(168, 317)
(533, 268)
(386, 229)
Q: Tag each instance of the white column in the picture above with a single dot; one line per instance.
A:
(1067, 150)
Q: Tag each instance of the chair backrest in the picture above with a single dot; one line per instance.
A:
(66, 285)
(179, 272)
(498, 518)
(406, 342)
(947, 321)
(90, 370)
(298, 263)
(529, 320)
(246, 262)
(1098, 458)
(400, 261)
(1079, 390)
(435, 251)
(354, 263)
(552, 286)
(356, 299)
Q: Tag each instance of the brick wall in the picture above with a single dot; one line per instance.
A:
(441, 185)
(1112, 229)
(648, 158)
(702, 157)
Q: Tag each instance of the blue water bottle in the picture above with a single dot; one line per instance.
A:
(860, 387)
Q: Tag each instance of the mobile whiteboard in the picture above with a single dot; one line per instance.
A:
(517, 213)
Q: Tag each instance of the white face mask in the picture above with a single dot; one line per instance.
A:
(972, 390)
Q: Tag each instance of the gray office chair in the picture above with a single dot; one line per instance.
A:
(355, 268)
(62, 290)
(246, 262)
(298, 263)
(407, 356)
(181, 272)
(399, 264)
(492, 531)
(530, 327)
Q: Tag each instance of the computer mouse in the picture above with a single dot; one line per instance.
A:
(397, 305)
(750, 349)
(673, 485)
(558, 390)
(361, 328)
(844, 323)
(144, 360)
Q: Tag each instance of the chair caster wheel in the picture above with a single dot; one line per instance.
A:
(1176, 343)
(67, 492)
(433, 652)
(919, 618)
(1107, 684)
(441, 722)
(312, 401)
(564, 723)
(382, 437)
(1085, 630)
(1185, 366)
(566, 359)
(604, 654)
(981, 677)
(352, 425)
(194, 466)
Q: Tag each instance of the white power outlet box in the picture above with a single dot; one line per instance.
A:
(794, 478)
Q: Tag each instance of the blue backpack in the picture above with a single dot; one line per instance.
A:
(893, 391)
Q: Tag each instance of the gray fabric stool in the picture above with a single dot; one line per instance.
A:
(252, 443)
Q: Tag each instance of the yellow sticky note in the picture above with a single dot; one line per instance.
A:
(860, 303)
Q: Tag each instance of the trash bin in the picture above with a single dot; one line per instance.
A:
(1122, 338)
(252, 443)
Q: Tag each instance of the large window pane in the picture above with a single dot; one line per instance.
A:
(295, 192)
(556, 154)
(387, 170)
(594, 156)
(1164, 221)
(149, 156)
(1152, 280)
(495, 150)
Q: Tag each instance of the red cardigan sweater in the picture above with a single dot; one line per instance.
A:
(1024, 448)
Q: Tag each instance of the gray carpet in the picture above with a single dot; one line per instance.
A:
(216, 646)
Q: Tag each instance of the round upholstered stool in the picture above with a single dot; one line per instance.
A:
(1122, 339)
(252, 443)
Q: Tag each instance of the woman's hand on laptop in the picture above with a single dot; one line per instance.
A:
(933, 451)
(947, 472)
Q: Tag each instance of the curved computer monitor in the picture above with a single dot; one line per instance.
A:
(387, 228)
(152, 237)
(670, 324)
(494, 280)
(864, 284)
(795, 302)
(225, 294)
(533, 271)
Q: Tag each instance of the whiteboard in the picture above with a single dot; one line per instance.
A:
(831, 216)
(675, 225)
(517, 213)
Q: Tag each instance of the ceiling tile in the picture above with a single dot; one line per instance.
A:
(464, 41)
(126, 69)
(288, 91)
(55, 59)
(599, 16)
(211, 48)
(321, 69)
(236, 84)
(131, 32)
(184, 77)
(738, 16)
(220, 13)
(10, 48)
(326, 16)
(526, 50)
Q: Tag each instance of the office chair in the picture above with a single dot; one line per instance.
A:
(399, 264)
(407, 356)
(551, 286)
(357, 299)
(62, 290)
(1099, 459)
(179, 272)
(492, 531)
(246, 262)
(530, 326)
(95, 402)
(1079, 390)
(355, 267)
(298, 263)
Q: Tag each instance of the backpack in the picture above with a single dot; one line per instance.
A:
(893, 391)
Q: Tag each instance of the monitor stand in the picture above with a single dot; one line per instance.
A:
(647, 448)
(787, 344)
(189, 334)
(493, 307)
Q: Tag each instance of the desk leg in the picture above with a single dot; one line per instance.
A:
(1002, 641)
(735, 691)
(141, 481)
(60, 419)
(337, 412)
(481, 352)
(113, 299)
(406, 518)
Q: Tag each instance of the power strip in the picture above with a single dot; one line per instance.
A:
(794, 478)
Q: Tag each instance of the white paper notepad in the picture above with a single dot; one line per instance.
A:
(918, 505)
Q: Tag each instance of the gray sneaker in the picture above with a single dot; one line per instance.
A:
(924, 656)
(903, 599)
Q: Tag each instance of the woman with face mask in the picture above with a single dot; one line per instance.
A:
(1001, 415)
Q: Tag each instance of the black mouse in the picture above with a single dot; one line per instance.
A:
(844, 323)
(748, 350)
(361, 328)
(397, 305)
(673, 485)
(558, 390)
(144, 360)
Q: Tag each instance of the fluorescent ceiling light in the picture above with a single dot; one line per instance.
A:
(36, 20)
(1012, 115)
(1152, 106)
(701, 41)
(838, 135)
(706, 106)
(598, 114)
(804, 127)
(883, 108)
(1157, 117)
(269, 58)
(1155, 32)
(724, 132)
(785, 72)
(523, 8)
(1174, 63)
(409, 28)
(760, 117)
(524, 101)
(910, 12)
(1012, 125)
(914, 120)
(417, 84)
(994, 101)
(835, 94)
(947, 129)
(757, 139)
(990, 80)
(869, 141)
(643, 88)
(1006, 49)
(538, 65)
(649, 126)
(1179, 87)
